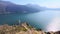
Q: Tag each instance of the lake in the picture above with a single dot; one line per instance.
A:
(40, 19)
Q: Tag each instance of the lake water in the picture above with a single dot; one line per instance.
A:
(40, 19)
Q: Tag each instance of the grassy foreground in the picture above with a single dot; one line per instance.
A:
(23, 28)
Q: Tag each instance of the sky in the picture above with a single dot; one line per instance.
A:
(44, 3)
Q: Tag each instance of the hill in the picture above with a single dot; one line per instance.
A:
(7, 7)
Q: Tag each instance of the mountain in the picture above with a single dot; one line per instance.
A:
(7, 7)
(57, 9)
(35, 6)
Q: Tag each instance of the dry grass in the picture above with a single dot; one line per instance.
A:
(22, 29)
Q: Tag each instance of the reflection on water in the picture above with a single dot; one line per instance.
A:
(54, 25)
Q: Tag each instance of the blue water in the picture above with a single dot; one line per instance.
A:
(39, 20)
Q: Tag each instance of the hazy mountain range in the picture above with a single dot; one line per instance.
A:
(7, 7)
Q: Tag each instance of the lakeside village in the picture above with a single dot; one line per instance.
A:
(22, 28)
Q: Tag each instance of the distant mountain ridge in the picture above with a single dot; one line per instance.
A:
(7, 7)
